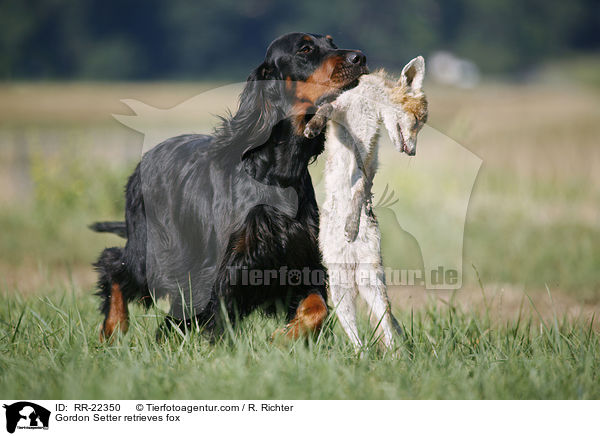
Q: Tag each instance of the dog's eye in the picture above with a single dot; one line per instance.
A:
(305, 49)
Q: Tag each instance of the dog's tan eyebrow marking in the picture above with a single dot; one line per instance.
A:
(307, 38)
(329, 37)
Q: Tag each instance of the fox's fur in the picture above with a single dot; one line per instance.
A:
(349, 235)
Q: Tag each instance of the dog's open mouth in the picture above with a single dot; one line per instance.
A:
(349, 79)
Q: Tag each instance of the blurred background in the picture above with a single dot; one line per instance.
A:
(515, 82)
(179, 39)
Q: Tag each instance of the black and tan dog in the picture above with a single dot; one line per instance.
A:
(194, 221)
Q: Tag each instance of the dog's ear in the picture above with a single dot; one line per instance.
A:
(412, 75)
(260, 107)
(263, 72)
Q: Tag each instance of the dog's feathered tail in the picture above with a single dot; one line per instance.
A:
(116, 227)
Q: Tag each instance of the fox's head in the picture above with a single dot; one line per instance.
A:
(404, 125)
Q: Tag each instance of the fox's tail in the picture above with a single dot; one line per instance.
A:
(116, 227)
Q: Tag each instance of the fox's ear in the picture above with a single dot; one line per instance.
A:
(413, 74)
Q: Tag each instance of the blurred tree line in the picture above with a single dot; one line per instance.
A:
(181, 39)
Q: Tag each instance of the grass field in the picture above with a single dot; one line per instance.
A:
(49, 349)
(532, 234)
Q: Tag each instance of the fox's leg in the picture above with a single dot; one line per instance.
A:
(318, 121)
(353, 219)
(362, 194)
(343, 297)
(371, 286)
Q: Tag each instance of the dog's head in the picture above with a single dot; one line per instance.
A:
(404, 125)
(299, 71)
(312, 66)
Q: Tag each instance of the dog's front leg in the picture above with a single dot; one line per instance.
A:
(309, 317)
(117, 317)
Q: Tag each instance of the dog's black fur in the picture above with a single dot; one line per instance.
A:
(191, 208)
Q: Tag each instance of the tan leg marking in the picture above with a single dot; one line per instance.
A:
(118, 314)
(309, 318)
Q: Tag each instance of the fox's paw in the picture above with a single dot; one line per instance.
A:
(312, 130)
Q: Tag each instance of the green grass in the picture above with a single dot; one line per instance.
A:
(532, 221)
(49, 349)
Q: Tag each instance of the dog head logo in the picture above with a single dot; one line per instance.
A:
(26, 415)
(431, 190)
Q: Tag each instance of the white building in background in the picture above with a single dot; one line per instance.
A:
(448, 69)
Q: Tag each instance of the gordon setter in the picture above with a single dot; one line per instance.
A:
(228, 223)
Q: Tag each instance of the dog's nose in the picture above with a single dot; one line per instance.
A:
(356, 57)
